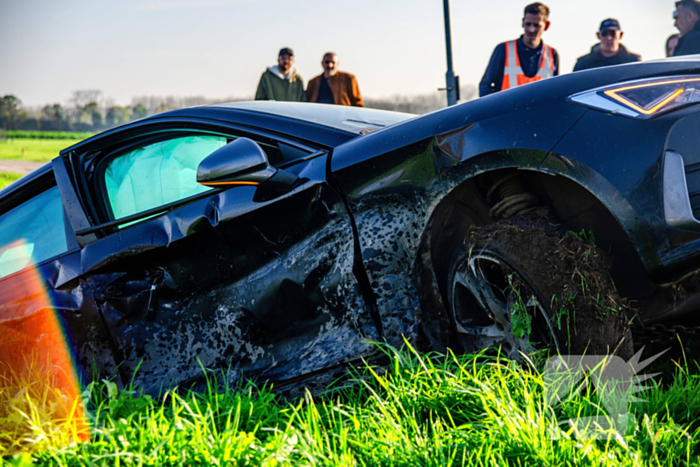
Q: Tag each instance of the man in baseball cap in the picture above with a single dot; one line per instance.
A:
(281, 82)
(608, 51)
(687, 16)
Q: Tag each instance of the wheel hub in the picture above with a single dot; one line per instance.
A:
(495, 306)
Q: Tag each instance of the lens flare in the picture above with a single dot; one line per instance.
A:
(34, 353)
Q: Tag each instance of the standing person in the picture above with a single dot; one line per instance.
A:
(281, 82)
(608, 51)
(671, 44)
(533, 61)
(333, 86)
(687, 17)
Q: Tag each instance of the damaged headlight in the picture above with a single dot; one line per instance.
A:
(642, 98)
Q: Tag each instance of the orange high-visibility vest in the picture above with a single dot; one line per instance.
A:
(513, 74)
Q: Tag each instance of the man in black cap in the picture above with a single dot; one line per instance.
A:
(687, 15)
(608, 51)
(281, 82)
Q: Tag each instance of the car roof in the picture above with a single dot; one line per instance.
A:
(355, 120)
(682, 58)
(327, 125)
(252, 117)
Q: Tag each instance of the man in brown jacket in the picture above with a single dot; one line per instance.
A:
(333, 86)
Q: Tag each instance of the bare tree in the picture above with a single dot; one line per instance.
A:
(83, 97)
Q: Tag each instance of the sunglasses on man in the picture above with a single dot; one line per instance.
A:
(608, 33)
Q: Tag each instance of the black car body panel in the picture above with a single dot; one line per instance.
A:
(273, 289)
(177, 292)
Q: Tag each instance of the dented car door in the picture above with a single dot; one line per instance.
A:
(186, 277)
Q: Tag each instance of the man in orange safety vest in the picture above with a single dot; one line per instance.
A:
(523, 60)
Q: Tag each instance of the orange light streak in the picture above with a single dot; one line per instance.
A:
(230, 183)
(32, 335)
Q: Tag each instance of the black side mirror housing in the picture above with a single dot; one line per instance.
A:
(240, 162)
(243, 162)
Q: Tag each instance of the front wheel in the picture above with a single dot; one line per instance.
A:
(521, 285)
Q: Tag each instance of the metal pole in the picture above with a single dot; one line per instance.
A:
(452, 91)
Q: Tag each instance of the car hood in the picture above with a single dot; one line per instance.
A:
(538, 98)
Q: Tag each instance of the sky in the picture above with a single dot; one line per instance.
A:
(219, 48)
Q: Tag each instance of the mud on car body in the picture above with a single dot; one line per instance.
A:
(274, 240)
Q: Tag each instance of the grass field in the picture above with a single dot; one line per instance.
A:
(422, 411)
(35, 150)
(71, 135)
(7, 178)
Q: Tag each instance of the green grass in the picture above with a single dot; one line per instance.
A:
(35, 150)
(70, 135)
(7, 178)
(35, 412)
(421, 410)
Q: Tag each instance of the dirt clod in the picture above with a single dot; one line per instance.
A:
(572, 280)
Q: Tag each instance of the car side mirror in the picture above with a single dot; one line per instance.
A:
(240, 162)
(243, 162)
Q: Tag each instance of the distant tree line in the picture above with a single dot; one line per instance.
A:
(89, 111)
(86, 112)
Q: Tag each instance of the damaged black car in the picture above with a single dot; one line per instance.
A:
(274, 240)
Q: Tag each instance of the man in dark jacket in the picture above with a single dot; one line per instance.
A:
(608, 51)
(687, 17)
(281, 82)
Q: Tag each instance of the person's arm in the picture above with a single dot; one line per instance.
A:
(301, 96)
(355, 96)
(493, 77)
(555, 57)
(303, 92)
(310, 90)
(578, 66)
(261, 93)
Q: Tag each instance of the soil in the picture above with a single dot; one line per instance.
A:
(572, 279)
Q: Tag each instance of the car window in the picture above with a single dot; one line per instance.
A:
(157, 174)
(32, 232)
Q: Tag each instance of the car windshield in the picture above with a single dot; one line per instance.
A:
(352, 119)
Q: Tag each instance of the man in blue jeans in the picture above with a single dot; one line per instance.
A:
(523, 60)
